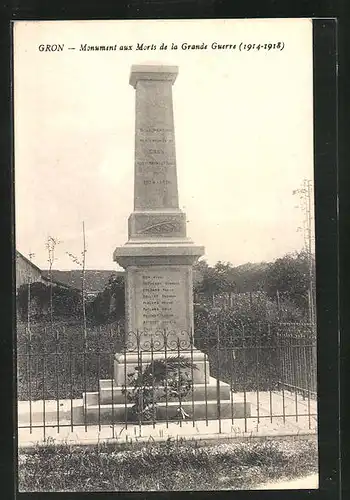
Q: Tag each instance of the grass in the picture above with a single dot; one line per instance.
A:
(166, 466)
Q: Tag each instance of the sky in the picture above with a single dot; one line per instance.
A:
(243, 134)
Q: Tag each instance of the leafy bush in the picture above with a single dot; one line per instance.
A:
(57, 361)
(109, 305)
(244, 318)
(66, 302)
(246, 343)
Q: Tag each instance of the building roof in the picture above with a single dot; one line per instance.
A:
(46, 278)
(95, 279)
(21, 256)
(44, 275)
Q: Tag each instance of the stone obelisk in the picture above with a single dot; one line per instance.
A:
(158, 259)
(158, 256)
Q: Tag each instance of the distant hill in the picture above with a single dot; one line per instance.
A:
(248, 277)
(95, 279)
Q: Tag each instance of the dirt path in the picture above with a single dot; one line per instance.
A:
(308, 482)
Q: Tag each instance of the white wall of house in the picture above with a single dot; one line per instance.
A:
(26, 272)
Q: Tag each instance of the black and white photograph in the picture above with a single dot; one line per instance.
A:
(166, 316)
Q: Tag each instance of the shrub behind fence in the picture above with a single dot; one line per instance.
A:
(60, 362)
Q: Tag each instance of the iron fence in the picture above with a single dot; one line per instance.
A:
(69, 378)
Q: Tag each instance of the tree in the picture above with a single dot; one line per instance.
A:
(214, 280)
(81, 263)
(50, 244)
(250, 277)
(289, 277)
(116, 287)
(109, 305)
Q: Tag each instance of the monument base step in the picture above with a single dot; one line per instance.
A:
(197, 410)
(205, 401)
(109, 392)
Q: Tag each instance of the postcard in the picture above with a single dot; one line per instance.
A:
(165, 255)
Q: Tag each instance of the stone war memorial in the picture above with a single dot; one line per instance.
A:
(158, 260)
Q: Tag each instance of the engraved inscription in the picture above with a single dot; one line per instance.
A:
(161, 300)
(155, 158)
(161, 227)
(156, 165)
(156, 225)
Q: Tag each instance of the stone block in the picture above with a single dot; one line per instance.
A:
(112, 393)
(150, 225)
(125, 364)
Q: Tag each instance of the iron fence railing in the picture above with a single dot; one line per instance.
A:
(67, 378)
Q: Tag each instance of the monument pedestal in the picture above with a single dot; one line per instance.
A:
(159, 294)
(159, 325)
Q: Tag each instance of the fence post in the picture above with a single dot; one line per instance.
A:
(192, 384)
(218, 403)
(166, 378)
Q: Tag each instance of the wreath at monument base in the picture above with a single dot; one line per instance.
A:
(162, 380)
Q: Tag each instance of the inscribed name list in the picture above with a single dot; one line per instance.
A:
(161, 300)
